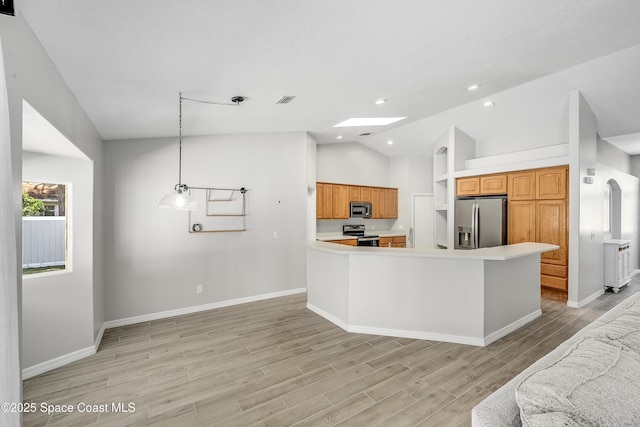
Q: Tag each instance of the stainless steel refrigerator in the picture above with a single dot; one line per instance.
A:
(480, 222)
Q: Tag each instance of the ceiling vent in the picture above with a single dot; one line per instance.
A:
(285, 99)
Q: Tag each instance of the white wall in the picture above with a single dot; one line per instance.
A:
(57, 314)
(587, 203)
(352, 163)
(31, 76)
(153, 264)
(10, 384)
(410, 174)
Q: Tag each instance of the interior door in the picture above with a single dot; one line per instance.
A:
(421, 234)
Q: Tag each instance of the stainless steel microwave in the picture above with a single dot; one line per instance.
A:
(360, 209)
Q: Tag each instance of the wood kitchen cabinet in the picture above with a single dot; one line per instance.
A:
(365, 194)
(468, 186)
(324, 201)
(538, 212)
(355, 194)
(393, 242)
(390, 203)
(333, 200)
(493, 184)
(348, 242)
(521, 185)
(522, 221)
(483, 185)
(551, 227)
(340, 201)
(377, 203)
(551, 183)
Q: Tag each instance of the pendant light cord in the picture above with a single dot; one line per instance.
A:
(180, 186)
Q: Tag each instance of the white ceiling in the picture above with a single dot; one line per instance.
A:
(126, 61)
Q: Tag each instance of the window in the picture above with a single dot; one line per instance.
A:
(44, 227)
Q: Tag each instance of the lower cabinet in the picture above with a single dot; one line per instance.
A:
(616, 264)
(393, 242)
(543, 221)
(348, 242)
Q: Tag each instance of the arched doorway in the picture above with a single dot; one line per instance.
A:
(613, 209)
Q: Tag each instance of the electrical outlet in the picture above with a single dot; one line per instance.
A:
(275, 234)
(199, 289)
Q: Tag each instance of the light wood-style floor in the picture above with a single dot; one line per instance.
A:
(275, 363)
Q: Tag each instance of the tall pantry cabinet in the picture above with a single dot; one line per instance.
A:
(538, 212)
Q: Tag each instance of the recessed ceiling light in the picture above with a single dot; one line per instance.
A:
(368, 121)
(473, 87)
(389, 142)
(339, 137)
(488, 104)
(381, 101)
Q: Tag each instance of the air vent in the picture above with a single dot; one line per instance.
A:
(365, 134)
(285, 99)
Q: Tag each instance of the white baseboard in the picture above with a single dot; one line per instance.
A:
(99, 337)
(330, 317)
(417, 335)
(43, 367)
(511, 327)
(432, 336)
(197, 308)
(585, 301)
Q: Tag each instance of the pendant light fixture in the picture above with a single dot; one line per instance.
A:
(180, 198)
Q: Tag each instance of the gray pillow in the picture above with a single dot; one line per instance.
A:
(594, 383)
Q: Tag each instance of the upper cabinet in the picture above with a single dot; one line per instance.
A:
(341, 208)
(551, 183)
(493, 184)
(468, 186)
(365, 194)
(333, 200)
(522, 185)
(355, 194)
(324, 201)
(484, 185)
(377, 203)
(390, 203)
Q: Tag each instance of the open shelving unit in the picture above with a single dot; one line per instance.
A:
(450, 152)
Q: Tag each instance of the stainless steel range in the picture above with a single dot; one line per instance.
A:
(359, 231)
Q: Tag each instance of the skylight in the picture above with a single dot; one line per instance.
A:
(368, 121)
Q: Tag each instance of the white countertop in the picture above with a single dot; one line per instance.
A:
(339, 236)
(617, 242)
(498, 253)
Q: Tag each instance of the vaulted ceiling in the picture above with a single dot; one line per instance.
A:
(126, 61)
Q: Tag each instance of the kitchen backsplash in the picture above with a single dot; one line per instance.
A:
(335, 226)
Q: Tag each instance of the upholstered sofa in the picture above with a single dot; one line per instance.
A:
(592, 379)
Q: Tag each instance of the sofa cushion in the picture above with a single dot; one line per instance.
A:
(623, 327)
(596, 382)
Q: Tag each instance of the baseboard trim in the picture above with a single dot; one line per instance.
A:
(585, 301)
(417, 335)
(494, 336)
(99, 337)
(197, 308)
(49, 365)
(330, 317)
(432, 336)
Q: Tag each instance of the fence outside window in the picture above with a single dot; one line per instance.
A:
(43, 241)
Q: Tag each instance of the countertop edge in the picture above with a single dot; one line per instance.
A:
(498, 253)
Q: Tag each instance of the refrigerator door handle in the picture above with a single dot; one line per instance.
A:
(474, 216)
(477, 226)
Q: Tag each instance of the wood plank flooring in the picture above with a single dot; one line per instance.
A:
(275, 363)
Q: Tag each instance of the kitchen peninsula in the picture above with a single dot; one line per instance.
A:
(463, 296)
